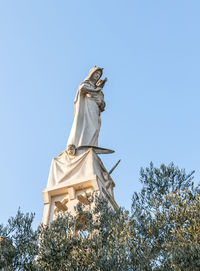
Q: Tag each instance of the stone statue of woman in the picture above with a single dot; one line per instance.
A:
(88, 105)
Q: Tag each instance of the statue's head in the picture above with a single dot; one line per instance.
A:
(95, 74)
(71, 149)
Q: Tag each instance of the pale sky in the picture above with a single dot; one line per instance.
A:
(150, 51)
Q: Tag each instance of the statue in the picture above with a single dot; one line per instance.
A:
(78, 171)
(88, 105)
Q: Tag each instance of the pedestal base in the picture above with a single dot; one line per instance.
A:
(71, 180)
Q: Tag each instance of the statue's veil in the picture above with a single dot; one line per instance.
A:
(87, 79)
(92, 70)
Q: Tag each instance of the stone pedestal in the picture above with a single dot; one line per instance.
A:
(72, 179)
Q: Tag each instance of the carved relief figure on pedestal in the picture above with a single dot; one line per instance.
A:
(71, 149)
(88, 105)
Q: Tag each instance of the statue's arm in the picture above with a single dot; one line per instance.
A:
(85, 88)
(102, 106)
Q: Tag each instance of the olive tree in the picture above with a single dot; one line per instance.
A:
(162, 231)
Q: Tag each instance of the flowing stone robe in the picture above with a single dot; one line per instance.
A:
(87, 113)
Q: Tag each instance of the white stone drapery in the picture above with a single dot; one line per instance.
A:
(87, 114)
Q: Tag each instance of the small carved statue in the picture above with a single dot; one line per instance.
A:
(71, 149)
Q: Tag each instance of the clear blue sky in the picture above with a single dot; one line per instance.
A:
(150, 51)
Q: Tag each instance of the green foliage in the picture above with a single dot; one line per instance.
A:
(98, 245)
(161, 233)
(166, 218)
(18, 243)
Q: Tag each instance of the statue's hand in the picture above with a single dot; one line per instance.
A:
(101, 83)
(88, 89)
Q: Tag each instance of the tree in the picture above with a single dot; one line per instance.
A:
(96, 242)
(162, 232)
(166, 220)
(18, 243)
